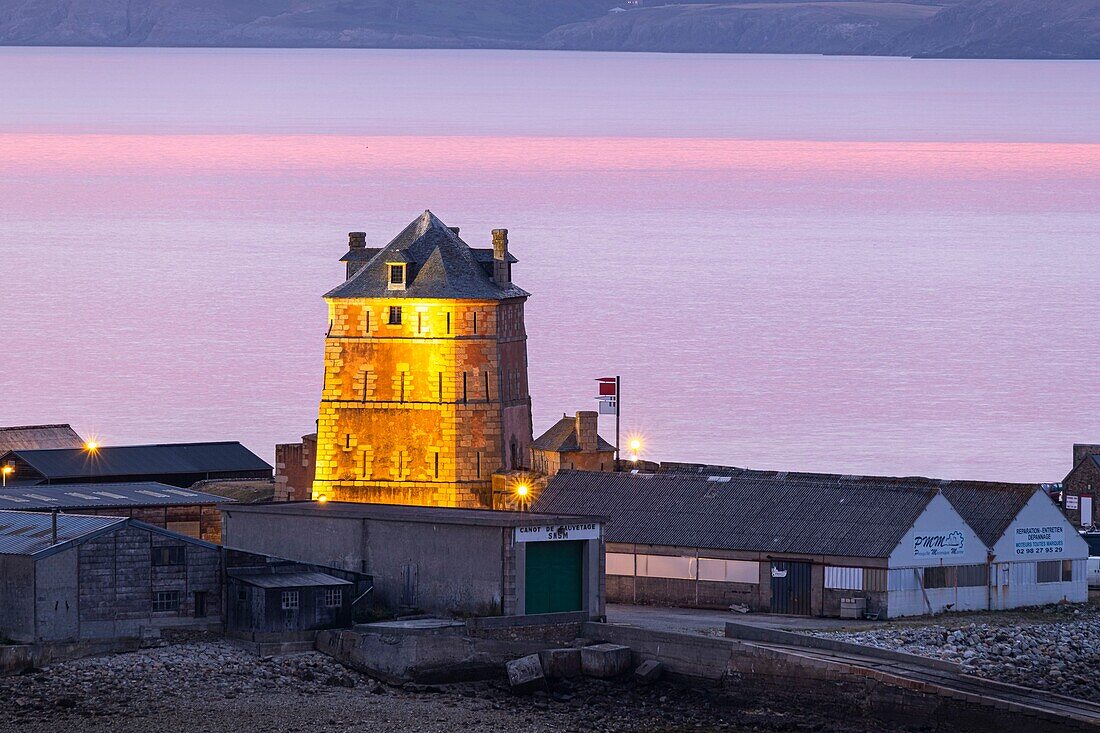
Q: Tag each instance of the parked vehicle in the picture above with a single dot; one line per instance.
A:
(1094, 572)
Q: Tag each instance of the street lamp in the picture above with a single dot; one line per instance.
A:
(91, 446)
(635, 449)
(6, 471)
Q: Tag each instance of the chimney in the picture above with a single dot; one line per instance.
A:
(502, 271)
(53, 525)
(455, 230)
(357, 240)
(587, 425)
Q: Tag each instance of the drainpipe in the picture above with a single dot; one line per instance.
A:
(53, 525)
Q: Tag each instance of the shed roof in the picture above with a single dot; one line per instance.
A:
(32, 437)
(142, 460)
(749, 513)
(442, 266)
(290, 580)
(402, 513)
(28, 533)
(562, 438)
(81, 496)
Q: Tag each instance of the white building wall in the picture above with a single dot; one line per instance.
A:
(1013, 578)
(938, 537)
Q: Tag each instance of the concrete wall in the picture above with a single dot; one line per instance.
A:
(455, 568)
(16, 598)
(330, 541)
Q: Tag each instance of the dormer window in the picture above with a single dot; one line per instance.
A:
(397, 276)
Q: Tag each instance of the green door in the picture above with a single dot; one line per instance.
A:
(554, 577)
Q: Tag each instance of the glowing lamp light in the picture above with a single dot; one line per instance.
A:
(522, 490)
(8, 470)
(635, 445)
(91, 446)
(322, 499)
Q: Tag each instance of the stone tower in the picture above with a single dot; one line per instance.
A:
(425, 393)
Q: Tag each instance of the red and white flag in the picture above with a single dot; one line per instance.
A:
(607, 386)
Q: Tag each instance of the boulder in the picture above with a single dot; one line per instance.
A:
(649, 671)
(605, 660)
(525, 674)
(559, 663)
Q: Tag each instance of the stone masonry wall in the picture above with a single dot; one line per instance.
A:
(413, 412)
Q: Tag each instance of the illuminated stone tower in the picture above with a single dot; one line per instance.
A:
(425, 393)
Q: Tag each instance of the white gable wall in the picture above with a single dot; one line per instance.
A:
(940, 536)
(1039, 533)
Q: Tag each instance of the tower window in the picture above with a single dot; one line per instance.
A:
(397, 275)
(475, 321)
(395, 315)
(448, 323)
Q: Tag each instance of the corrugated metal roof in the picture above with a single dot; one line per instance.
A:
(74, 496)
(291, 580)
(27, 533)
(142, 460)
(751, 513)
(987, 507)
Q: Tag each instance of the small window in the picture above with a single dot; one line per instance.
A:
(1054, 571)
(334, 597)
(168, 555)
(290, 600)
(397, 274)
(242, 594)
(166, 600)
(395, 315)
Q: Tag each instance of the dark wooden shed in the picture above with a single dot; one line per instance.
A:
(288, 601)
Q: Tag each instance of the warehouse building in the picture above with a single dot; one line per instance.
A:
(816, 544)
(1035, 554)
(66, 577)
(443, 561)
(175, 464)
(189, 512)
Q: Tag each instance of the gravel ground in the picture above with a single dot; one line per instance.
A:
(1055, 648)
(211, 686)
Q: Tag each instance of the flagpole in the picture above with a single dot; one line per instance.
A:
(618, 407)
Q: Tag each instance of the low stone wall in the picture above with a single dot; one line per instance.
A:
(749, 672)
(750, 632)
(423, 657)
(17, 658)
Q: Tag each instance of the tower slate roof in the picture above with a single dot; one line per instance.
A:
(441, 265)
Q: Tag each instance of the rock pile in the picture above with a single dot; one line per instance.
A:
(1056, 648)
(143, 683)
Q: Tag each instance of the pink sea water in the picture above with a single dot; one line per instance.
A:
(803, 263)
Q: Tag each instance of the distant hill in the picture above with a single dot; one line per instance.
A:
(947, 28)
